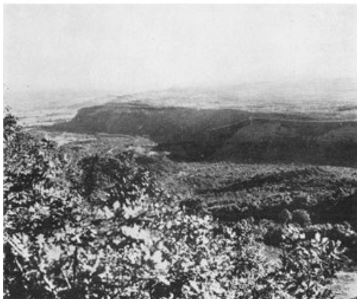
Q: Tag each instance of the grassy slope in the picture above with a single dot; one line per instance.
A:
(234, 191)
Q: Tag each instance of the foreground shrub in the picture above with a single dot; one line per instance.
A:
(309, 265)
(338, 232)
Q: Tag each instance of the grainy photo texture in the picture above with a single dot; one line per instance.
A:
(180, 151)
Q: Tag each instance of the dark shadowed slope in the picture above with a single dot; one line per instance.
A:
(225, 134)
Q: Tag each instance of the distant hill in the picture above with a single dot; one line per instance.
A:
(225, 134)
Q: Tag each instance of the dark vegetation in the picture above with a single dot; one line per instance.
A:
(96, 223)
(320, 191)
(317, 199)
(225, 134)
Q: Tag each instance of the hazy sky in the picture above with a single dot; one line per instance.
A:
(157, 46)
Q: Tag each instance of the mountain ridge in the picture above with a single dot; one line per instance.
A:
(194, 134)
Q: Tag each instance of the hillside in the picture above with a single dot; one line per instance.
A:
(225, 134)
(233, 192)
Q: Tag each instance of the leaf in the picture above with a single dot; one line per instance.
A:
(216, 288)
(116, 205)
(194, 285)
(163, 280)
(156, 257)
(203, 263)
(108, 213)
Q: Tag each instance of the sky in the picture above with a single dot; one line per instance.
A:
(143, 47)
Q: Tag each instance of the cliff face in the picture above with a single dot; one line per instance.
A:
(225, 134)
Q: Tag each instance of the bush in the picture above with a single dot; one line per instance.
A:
(338, 232)
(308, 265)
(273, 236)
(301, 217)
(285, 216)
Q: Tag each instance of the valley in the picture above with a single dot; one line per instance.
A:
(270, 171)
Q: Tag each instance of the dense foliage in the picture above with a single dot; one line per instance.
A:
(101, 228)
